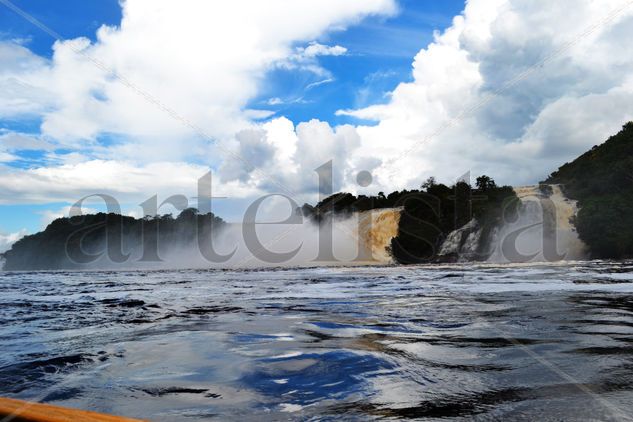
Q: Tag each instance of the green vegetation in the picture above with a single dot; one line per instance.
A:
(429, 214)
(76, 241)
(602, 181)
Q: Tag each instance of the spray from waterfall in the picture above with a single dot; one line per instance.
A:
(543, 231)
(362, 238)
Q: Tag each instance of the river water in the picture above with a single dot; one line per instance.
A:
(483, 342)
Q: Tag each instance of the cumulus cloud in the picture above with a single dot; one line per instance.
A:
(316, 49)
(507, 90)
(305, 58)
(23, 82)
(165, 88)
(203, 62)
(288, 156)
(254, 151)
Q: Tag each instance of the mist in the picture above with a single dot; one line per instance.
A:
(358, 239)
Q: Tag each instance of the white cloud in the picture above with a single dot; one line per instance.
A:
(314, 49)
(23, 82)
(318, 83)
(204, 60)
(254, 151)
(255, 114)
(292, 155)
(208, 61)
(556, 111)
(563, 89)
(305, 58)
(125, 181)
(278, 101)
(6, 157)
(8, 239)
(517, 135)
(15, 141)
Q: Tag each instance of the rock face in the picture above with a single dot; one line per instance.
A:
(462, 244)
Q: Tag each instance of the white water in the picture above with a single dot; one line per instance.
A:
(544, 230)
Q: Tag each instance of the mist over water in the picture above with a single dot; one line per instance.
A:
(543, 231)
(359, 239)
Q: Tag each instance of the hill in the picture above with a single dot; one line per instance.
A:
(75, 242)
(601, 180)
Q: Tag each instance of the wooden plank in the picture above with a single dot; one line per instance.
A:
(22, 411)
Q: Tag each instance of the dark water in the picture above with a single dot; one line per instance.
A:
(465, 342)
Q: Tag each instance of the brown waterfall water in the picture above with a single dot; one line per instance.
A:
(376, 228)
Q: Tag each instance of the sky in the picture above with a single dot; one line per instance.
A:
(143, 97)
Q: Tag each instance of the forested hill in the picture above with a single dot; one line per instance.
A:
(601, 180)
(75, 242)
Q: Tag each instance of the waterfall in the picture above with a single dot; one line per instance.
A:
(376, 229)
(543, 231)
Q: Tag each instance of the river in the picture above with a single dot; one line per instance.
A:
(464, 341)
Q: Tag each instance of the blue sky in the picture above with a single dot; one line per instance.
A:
(380, 52)
(380, 55)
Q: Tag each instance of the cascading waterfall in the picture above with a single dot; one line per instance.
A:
(376, 229)
(543, 231)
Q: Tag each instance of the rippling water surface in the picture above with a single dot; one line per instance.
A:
(550, 342)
